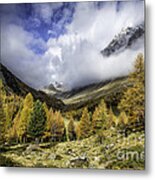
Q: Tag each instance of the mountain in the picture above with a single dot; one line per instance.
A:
(91, 95)
(125, 39)
(13, 84)
(51, 90)
(54, 88)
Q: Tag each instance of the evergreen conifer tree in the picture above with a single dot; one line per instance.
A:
(37, 122)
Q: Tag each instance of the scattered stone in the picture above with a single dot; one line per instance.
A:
(52, 156)
(31, 147)
(79, 161)
(58, 157)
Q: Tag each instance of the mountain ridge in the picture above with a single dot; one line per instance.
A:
(89, 95)
(14, 84)
(125, 39)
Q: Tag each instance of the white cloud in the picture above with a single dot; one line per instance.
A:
(74, 58)
(88, 34)
(17, 56)
(45, 10)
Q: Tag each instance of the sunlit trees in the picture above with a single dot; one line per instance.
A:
(11, 104)
(23, 120)
(12, 133)
(55, 126)
(58, 131)
(84, 129)
(2, 114)
(132, 102)
(123, 119)
(2, 92)
(37, 122)
(2, 122)
(77, 130)
(49, 121)
(46, 110)
(9, 112)
(71, 130)
(25, 116)
(100, 117)
(112, 119)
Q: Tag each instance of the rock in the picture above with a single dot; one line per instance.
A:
(70, 152)
(52, 156)
(29, 157)
(79, 161)
(112, 145)
(125, 39)
(33, 153)
(58, 157)
(96, 159)
(31, 147)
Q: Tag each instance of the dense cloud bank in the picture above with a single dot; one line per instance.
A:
(61, 42)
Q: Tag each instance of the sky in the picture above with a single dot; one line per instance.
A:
(46, 43)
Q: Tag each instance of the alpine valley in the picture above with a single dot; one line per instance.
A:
(100, 125)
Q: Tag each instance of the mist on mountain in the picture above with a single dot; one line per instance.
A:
(72, 58)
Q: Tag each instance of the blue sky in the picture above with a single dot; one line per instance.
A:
(45, 39)
(29, 16)
(52, 25)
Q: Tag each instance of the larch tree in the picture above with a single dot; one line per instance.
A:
(25, 117)
(84, 125)
(71, 130)
(46, 110)
(2, 122)
(123, 119)
(49, 121)
(100, 117)
(58, 131)
(133, 102)
(12, 134)
(113, 120)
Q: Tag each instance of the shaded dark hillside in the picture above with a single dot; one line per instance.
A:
(110, 91)
(90, 95)
(12, 83)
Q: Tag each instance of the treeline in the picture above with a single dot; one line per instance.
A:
(32, 121)
(26, 120)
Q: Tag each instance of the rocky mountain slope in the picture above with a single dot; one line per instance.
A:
(89, 95)
(125, 39)
(110, 90)
(13, 84)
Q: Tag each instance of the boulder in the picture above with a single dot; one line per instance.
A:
(32, 147)
(79, 162)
